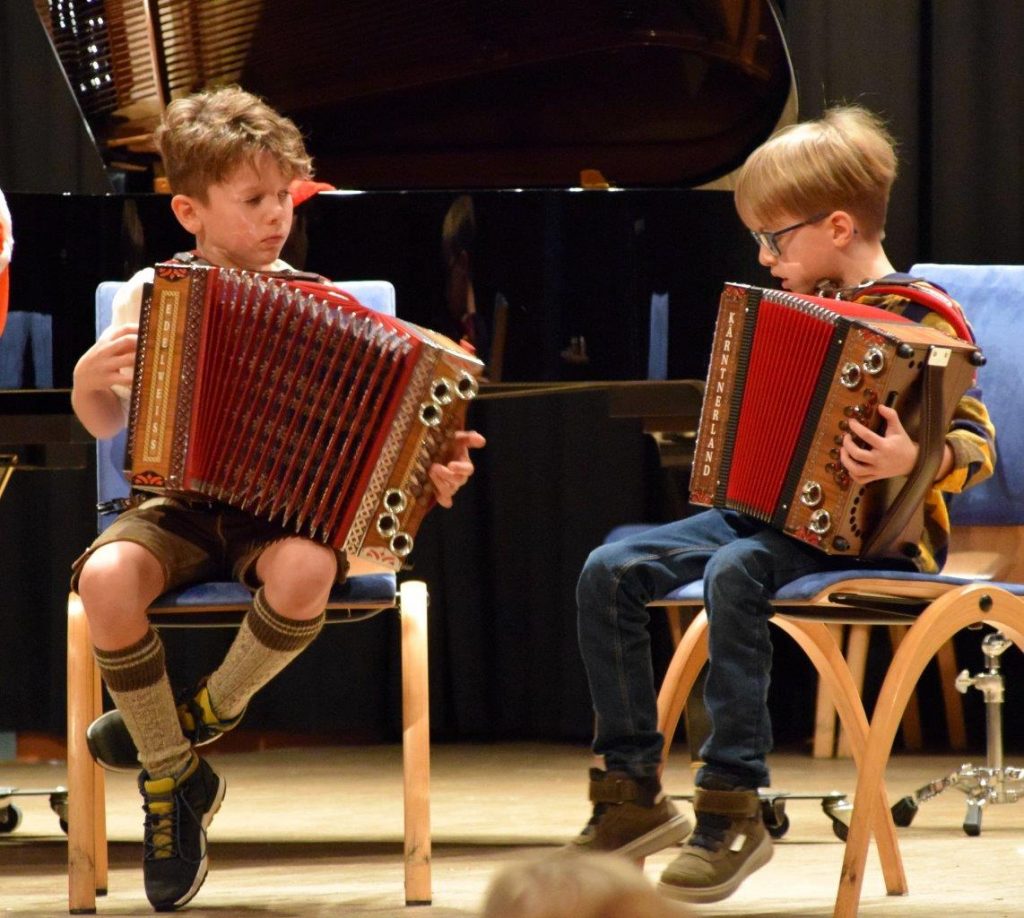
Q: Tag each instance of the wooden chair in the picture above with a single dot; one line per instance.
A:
(223, 605)
(984, 584)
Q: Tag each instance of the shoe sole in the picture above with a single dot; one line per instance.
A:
(669, 833)
(204, 864)
(760, 856)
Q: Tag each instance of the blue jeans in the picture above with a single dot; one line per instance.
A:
(743, 562)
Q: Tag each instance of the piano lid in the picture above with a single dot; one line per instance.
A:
(523, 93)
(448, 93)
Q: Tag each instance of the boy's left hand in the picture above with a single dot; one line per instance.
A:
(885, 456)
(448, 478)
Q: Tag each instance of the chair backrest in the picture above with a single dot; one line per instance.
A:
(111, 484)
(988, 294)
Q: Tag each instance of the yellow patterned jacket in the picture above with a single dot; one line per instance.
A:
(971, 436)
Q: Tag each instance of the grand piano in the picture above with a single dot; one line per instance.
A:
(560, 166)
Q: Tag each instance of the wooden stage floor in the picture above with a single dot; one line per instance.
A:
(318, 832)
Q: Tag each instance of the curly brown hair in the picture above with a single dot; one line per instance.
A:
(204, 137)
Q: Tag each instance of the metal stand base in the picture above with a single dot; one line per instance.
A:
(993, 783)
(834, 804)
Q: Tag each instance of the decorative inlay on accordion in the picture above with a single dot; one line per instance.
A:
(292, 401)
(787, 372)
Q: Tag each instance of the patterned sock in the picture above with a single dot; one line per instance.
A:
(137, 681)
(266, 643)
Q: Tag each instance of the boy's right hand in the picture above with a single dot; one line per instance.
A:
(110, 361)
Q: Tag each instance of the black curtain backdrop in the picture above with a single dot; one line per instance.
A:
(945, 74)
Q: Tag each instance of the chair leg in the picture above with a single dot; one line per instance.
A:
(87, 855)
(953, 701)
(682, 673)
(821, 647)
(858, 639)
(910, 726)
(674, 618)
(824, 744)
(416, 742)
(818, 642)
(936, 625)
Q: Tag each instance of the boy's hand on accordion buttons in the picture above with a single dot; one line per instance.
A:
(448, 478)
(881, 455)
(109, 362)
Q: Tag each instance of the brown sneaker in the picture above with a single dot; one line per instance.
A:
(729, 843)
(631, 816)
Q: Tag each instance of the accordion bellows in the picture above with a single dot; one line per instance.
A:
(292, 401)
(787, 373)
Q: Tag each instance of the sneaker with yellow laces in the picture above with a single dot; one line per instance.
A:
(178, 811)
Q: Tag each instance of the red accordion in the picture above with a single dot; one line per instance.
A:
(292, 401)
(787, 372)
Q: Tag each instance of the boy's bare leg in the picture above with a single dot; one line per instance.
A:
(180, 792)
(117, 584)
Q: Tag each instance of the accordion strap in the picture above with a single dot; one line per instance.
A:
(929, 456)
(920, 291)
(291, 274)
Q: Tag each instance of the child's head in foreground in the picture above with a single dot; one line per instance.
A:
(576, 886)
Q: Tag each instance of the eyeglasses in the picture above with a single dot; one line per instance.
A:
(770, 241)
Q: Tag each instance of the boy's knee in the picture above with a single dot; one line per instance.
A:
(602, 562)
(117, 573)
(598, 570)
(735, 560)
(298, 571)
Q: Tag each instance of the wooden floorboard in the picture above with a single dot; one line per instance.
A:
(317, 832)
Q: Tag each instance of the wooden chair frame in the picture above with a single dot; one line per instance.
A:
(948, 610)
(87, 839)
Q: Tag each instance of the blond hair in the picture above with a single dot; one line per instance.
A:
(204, 137)
(575, 886)
(844, 160)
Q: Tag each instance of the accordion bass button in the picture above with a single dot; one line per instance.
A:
(821, 522)
(467, 386)
(430, 414)
(874, 361)
(850, 375)
(441, 391)
(401, 544)
(387, 523)
(811, 494)
(394, 500)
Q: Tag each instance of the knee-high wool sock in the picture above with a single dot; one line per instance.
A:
(265, 644)
(137, 681)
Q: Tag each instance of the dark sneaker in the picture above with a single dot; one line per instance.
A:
(178, 812)
(631, 816)
(729, 843)
(112, 746)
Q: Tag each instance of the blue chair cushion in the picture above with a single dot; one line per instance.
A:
(366, 588)
(806, 588)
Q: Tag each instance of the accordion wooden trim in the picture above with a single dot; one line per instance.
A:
(786, 374)
(294, 402)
